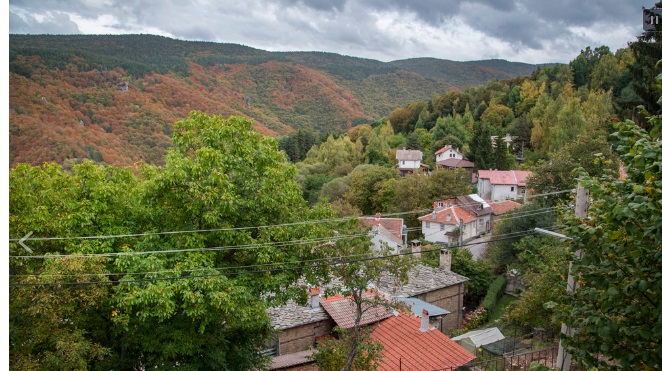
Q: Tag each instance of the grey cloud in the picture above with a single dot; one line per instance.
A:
(54, 23)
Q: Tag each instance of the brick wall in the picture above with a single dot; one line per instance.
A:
(300, 338)
(451, 299)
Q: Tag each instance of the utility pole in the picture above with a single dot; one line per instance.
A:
(563, 358)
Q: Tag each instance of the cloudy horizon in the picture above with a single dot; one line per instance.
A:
(533, 32)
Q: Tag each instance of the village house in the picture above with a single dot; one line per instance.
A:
(497, 185)
(411, 343)
(409, 161)
(388, 231)
(437, 286)
(500, 208)
(437, 291)
(451, 159)
(298, 326)
(457, 220)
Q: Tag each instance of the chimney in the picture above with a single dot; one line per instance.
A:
(378, 216)
(425, 321)
(445, 260)
(314, 297)
(434, 215)
(416, 250)
(448, 217)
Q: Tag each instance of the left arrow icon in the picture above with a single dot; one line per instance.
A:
(29, 250)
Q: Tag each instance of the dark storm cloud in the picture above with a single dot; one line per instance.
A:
(382, 29)
(534, 23)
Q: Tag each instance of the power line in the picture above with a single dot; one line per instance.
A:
(520, 234)
(211, 230)
(251, 246)
(216, 248)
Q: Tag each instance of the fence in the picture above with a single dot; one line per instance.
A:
(545, 357)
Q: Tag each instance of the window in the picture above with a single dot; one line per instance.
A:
(512, 189)
(402, 163)
(427, 224)
(480, 221)
(442, 227)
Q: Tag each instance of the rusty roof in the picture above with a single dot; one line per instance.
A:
(343, 310)
(407, 346)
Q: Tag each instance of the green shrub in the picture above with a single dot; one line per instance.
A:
(493, 294)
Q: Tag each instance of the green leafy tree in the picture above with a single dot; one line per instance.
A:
(201, 308)
(521, 221)
(364, 185)
(542, 266)
(358, 267)
(616, 307)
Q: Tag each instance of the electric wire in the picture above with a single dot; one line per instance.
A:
(501, 238)
(213, 229)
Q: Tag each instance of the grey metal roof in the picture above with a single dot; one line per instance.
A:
(292, 315)
(408, 155)
(481, 337)
(422, 278)
(417, 306)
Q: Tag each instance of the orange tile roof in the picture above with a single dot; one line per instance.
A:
(343, 311)
(443, 149)
(456, 213)
(502, 207)
(393, 225)
(403, 341)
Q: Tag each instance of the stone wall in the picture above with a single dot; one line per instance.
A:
(300, 338)
(451, 299)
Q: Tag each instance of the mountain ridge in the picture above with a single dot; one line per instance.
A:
(114, 98)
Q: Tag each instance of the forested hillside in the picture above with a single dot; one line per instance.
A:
(114, 98)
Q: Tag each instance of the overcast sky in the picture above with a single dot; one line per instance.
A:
(535, 31)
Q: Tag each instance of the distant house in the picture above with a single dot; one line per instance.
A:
(500, 185)
(389, 231)
(448, 153)
(508, 139)
(409, 160)
(502, 207)
(464, 217)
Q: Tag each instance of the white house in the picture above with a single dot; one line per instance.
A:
(500, 185)
(409, 160)
(389, 231)
(448, 153)
(471, 213)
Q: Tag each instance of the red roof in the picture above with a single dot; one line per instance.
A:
(502, 207)
(343, 311)
(456, 213)
(403, 341)
(443, 149)
(505, 177)
(393, 225)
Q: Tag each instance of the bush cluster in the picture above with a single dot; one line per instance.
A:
(493, 294)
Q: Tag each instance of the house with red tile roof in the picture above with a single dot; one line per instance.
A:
(450, 158)
(410, 343)
(500, 185)
(387, 231)
(464, 217)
